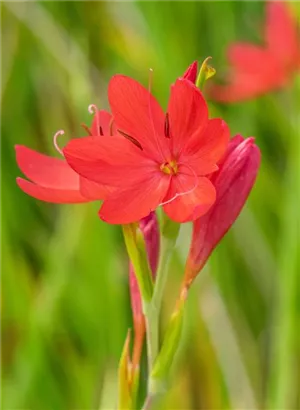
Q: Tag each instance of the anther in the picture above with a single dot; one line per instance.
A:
(60, 132)
(167, 126)
(131, 139)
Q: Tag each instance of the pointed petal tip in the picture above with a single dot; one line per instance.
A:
(247, 143)
(191, 72)
(119, 77)
(250, 141)
(19, 180)
(21, 149)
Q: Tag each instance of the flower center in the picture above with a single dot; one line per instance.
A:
(169, 168)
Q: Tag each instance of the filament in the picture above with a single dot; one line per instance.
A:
(56, 135)
(86, 128)
(93, 109)
(186, 192)
(150, 81)
(111, 123)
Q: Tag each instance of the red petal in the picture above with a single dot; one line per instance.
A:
(109, 161)
(281, 33)
(191, 73)
(206, 148)
(137, 113)
(46, 171)
(103, 119)
(245, 86)
(254, 72)
(53, 195)
(199, 197)
(249, 58)
(188, 113)
(93, 190)
(136, 202)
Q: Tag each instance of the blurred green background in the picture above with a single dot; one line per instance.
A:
(65, 299)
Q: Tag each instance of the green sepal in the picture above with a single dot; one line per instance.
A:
(125, 397)
(135, 380)
(136, 248)
(206, 72)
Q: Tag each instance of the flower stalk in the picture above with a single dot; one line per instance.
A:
(169, 234)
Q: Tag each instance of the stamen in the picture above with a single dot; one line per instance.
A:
(86, 128)
(131, 139)
(101, 131)
(93, 109)
(186, 192)
(167, 126)
(56, 135)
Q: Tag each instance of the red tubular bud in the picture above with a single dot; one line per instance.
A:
(233, 182)
(191, 73)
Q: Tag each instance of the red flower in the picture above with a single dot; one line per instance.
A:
(53, 180)
(158, 159)
(256, 70)
(233, 182)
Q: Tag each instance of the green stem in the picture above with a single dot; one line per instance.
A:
(152, 336)
(167, 248)
(148, 403)
(152, 310)
(152, 401)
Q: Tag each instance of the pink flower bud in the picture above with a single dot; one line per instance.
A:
(149, 227)
(233, 182)
(191, 72)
